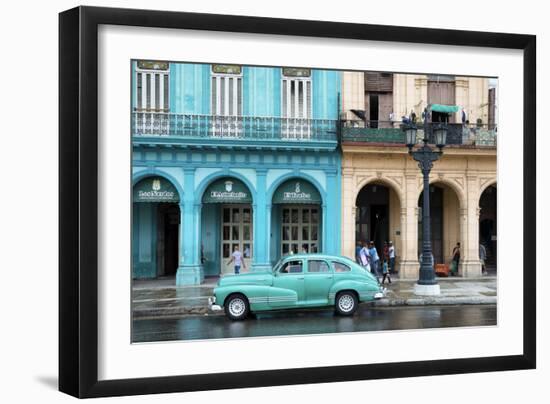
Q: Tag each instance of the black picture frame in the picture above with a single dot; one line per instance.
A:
(78, 200)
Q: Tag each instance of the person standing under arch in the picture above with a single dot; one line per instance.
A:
(391, 254)
(456, 259)
(374, 259)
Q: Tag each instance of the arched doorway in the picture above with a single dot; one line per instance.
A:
(155, 228)
(444, 220)
(226, 226)
(488, 227)
(296, 219)
(378, 217)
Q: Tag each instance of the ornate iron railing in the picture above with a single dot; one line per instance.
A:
(233, 127)
(391, 132)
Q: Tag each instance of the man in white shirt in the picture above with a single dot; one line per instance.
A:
(364, 256)
(237, 258)
(391, 253)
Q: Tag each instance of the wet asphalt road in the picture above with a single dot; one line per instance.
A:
(313, 322)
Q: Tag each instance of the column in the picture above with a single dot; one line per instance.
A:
(471, 265)
(331, 230)
(400, 249)
(262, 221)
(348, 214)
(189, 269)
(409, 263)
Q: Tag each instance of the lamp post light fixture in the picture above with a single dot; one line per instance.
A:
(425, 156)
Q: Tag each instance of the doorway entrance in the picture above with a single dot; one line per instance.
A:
(372, 221)
(445, 222)
(488, 227)
(168, 222)
(155, 229)
(373, 110)
(226, 224)
(299, 229)
(436, 223)
(296, 219)
(236, 234)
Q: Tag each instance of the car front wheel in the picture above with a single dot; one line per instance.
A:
(346, 303)
(237, 307)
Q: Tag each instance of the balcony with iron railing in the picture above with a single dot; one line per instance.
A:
(153, 128)
(391, 133)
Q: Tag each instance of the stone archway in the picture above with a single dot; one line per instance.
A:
(445, 217)
(155, 228)
(226, 226)
(379, 216)
(296, 218)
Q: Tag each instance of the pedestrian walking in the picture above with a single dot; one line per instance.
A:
(455, 260)
(391, 253)
(365, 257)
(482, 258)
(374, 259)
(358, 248)
(385, 272)
(386, 251)
(237, 259)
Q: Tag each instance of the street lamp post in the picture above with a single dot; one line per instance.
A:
(425, 156)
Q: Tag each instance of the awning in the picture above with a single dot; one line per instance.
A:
(448, 109)
(297, 191)
(227, 190)
(155, 189)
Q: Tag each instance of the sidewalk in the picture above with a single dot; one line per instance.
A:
(160, 298)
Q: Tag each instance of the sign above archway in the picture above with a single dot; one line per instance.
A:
(297, 191)
(155, 189)
(227, 190)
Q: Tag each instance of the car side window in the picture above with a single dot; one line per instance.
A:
(339, 267)
(292, 267)
(317, 266)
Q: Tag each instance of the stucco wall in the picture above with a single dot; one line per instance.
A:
(463, 173)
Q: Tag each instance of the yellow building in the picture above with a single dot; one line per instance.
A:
(382, 184)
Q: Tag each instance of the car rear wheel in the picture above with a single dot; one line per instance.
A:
(346, 303)
(236, 307)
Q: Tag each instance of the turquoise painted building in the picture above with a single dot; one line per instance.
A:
(232, 157)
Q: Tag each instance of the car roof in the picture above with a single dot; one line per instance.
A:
(314, 255)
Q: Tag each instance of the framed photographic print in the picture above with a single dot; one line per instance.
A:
(285, 196)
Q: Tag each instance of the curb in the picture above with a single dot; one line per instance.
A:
(435, 301)
(205, 311)
(179, 311)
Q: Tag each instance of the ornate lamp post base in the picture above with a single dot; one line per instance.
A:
(426, 290)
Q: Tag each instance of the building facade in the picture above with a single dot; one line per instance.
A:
(382, 184)
(232, 157)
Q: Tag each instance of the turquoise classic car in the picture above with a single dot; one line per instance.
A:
(297, 281)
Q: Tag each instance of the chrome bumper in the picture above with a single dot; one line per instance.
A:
(381, 294)
(212, 304)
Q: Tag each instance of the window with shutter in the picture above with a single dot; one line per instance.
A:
(226, 100)
(152, 100)
(296, 103)
(152, 82)
(226, 91)
(378, 82)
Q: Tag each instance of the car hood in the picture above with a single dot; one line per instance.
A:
(255, 278)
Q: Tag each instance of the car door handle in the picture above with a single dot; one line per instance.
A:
(300, 278)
